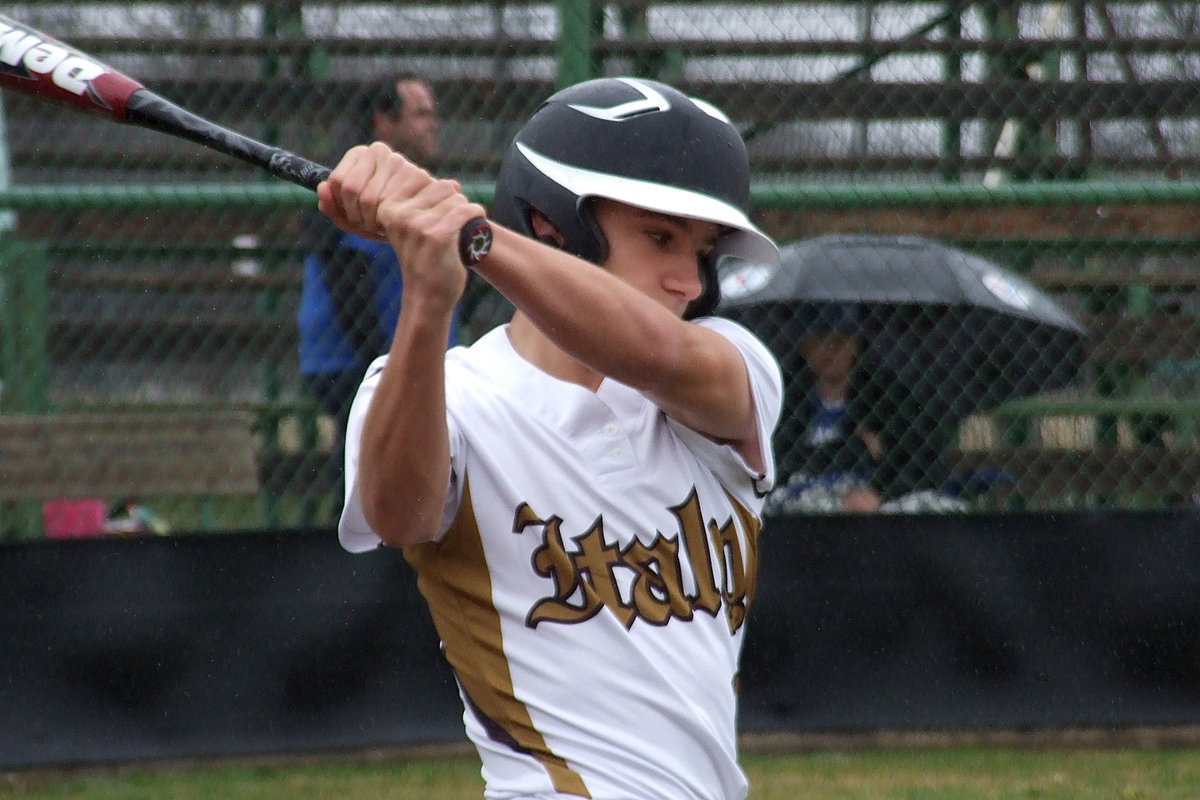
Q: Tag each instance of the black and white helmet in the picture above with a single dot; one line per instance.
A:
(638, 142)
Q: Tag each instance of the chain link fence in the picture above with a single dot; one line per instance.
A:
(987, 210)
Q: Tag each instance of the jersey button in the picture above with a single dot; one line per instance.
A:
(611, 429)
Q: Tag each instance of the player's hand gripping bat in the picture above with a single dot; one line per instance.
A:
(38, 65)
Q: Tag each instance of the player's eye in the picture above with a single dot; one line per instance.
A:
(661, 237)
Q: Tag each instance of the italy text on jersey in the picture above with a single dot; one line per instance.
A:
(595, 572)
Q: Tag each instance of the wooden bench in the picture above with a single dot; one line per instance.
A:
(203, 454)
(1140, 476)
(1090, 452)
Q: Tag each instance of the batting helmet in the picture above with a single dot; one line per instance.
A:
(638, 142)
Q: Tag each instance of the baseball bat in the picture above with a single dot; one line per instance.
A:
(43, 67)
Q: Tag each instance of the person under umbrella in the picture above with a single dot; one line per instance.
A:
(857, 439)
(964, 332)
(943, 334)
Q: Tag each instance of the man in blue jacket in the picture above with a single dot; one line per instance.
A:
(352, 286)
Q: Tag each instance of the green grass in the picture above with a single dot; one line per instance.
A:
(978, 774)
(949, 773)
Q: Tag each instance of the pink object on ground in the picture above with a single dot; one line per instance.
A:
(74, 518)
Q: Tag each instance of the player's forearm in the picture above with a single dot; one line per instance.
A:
(693, 374)
(404, 461)
(572, 302)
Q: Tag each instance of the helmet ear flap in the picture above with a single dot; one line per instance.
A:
(595, 248)
(581, 237)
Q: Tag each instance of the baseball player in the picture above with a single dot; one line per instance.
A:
(579, 491)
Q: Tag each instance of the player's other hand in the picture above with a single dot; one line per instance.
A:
(379, 194)
(366, 176)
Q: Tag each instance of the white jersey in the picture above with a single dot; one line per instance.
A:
(593, 578)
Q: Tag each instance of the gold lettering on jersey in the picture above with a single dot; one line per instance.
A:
(691, 524)
(657, 587)
(734, 569)
(552, 560)
(646, 581)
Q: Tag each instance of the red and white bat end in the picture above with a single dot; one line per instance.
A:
(36, 64)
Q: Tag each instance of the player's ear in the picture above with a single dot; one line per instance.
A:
(544, 230)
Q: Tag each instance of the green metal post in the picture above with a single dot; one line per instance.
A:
(24, 310)
(952, 130)
(659, 62)
(23, 318)
(313, 62)
(1079, 59)
(1145, 428)
(1044, 137)
(24, 300)
(24, 357)
(268, 370)
(1000, 22)
(575, 31)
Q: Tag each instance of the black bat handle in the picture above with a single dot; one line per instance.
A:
(150, 110)
(474, 240)
(296, 169)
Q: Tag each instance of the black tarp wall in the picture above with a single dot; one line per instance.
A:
(238, 644)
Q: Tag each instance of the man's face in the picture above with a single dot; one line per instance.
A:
(658, 254)
(413, 131)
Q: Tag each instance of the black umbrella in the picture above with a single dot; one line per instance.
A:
(960, 331)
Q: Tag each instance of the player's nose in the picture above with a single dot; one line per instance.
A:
(684, 279)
